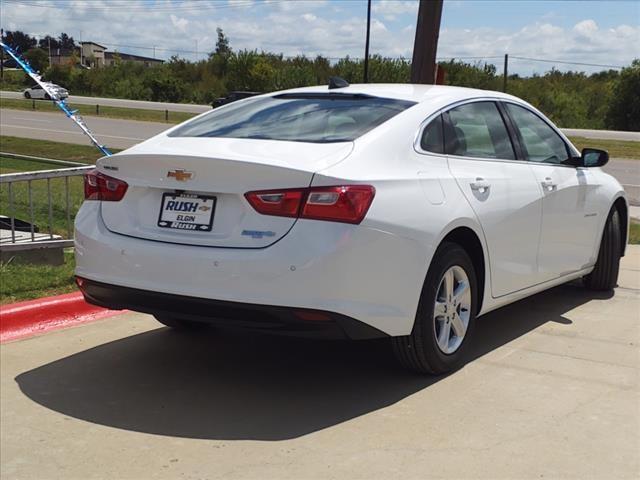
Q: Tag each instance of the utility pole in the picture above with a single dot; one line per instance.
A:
(505, 75)
(366, 44)
(81, 62)
(196, 49)
(49, 42)
(423, 65)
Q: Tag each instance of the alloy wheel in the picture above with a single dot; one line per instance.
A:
(452, 309)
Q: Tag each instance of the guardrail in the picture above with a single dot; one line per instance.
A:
(23, 237)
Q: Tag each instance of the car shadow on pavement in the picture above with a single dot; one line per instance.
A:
(227, 386)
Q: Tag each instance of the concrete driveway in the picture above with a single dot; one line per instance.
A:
(552, 392)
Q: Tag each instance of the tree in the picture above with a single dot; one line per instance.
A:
(49, 41)
(66, 42)
(37, 58)
(624, 106)
(219, 58)
(222, 45)
(19, 41)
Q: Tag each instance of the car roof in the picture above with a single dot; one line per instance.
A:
(412, 92)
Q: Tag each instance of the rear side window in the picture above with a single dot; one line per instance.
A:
(433, 137)
(539, 141)
(313, 117)
(477, 130)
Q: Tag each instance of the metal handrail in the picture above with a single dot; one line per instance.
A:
(11, 178)
(55, 161)
(44, 174)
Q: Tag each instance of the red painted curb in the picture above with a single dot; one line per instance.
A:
(26, 319)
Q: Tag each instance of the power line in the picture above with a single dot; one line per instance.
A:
(565, 62)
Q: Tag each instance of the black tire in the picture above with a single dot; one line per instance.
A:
(605, 274)
(47, 96)
(27, 95)
(178, 324)
(419, 351)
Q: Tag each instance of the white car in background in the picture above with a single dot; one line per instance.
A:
(362, 211)
(39, 93)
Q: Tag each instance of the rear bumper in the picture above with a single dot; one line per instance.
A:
(363, 273)
(266, 318)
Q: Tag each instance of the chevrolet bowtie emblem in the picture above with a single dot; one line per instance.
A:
(180, 175)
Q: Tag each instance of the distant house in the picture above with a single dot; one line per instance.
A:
(94, 55)
(110, 59)
(60, 56)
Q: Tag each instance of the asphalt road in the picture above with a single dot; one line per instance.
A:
(55, 126)
(602, 134)
(551, 392)
(125, 133)
(183, 107)
(118, 102)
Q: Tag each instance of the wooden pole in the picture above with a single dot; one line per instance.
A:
(505, 74)
(366, 44)
(2, 54)
(423, 65)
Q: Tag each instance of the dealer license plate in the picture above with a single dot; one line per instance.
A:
(187, 212)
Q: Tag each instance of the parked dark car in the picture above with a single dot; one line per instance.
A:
(232, 97)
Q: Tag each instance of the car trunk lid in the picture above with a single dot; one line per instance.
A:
(191, 190)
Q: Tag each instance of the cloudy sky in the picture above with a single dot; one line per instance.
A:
(597, 32)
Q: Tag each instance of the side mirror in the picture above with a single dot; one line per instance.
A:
(593, 157)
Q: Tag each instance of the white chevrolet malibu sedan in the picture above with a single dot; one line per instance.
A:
(362, 211)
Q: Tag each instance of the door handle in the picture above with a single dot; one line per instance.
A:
(548, 184)
(480, 185)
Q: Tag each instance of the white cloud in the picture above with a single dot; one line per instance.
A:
(390, 9)
(586, 28)
(314, 27)
(180, 23)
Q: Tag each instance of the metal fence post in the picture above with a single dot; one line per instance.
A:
(50, 208)
(31, 218)
(12, 214)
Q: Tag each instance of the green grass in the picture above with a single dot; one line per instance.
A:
(616, 148)
(47, 149)
(634, 233)
(90, 110)
(13, 165)
(24, 281)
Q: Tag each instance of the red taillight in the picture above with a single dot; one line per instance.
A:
(345, 203)
(98, 186)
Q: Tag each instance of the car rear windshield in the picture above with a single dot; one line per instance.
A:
(316, 118)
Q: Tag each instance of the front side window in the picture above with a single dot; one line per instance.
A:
(539, 141)
(432, 139)
(477, 130)
(303, 117)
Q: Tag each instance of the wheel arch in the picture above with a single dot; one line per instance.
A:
(470, 241)
(620, 204)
